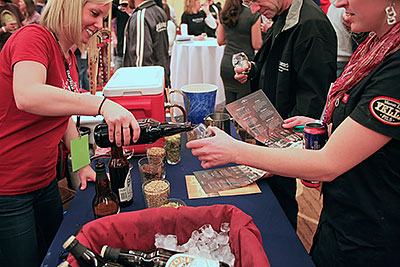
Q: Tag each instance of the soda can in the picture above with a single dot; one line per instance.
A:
(315, 135)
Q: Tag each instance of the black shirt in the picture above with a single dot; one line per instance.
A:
(362, 206)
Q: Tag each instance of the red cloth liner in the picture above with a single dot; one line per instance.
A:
(136, 230)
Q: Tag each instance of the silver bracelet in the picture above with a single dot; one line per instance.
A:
(4, 29)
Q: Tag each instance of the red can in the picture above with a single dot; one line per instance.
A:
(315, 135)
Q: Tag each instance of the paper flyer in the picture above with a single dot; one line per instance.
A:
(256, 114)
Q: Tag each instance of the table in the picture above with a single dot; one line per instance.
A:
(196, 62)
(280, 242)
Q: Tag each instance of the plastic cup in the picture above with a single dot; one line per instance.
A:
(156, 193)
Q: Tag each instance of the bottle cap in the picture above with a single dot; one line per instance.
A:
(68, 242)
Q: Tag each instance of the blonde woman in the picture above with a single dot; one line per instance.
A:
(39, 93)
(199, 20)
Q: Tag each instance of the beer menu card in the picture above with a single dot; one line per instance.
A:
(256, 114)
(235, 180)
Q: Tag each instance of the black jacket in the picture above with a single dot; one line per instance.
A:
(147, 41)
(297, 61)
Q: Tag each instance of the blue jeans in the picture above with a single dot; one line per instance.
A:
(28, 224)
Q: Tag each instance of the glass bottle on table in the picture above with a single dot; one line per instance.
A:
(120, 176)
(105, 202)
(150, 131)
(84, 256)
(158, 257)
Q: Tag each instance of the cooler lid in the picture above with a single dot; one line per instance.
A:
(135, 81)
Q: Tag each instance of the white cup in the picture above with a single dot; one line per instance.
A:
(184, 29)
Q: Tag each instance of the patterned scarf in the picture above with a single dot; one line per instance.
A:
(367, 57)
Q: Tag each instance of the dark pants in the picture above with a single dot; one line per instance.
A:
(284, 190)
(28, 224)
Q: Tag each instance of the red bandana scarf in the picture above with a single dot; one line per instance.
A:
(369, 55)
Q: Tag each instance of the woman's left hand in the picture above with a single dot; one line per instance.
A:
(86, 174)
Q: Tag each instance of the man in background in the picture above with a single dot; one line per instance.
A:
(294, 67)
(146, 37)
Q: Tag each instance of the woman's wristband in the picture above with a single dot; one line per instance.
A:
(4, 29)
(101, 105)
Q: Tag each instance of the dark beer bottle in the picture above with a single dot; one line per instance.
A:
(158, 257)
(105, 202)
(84, 256)
(150, 131)
(120, 176)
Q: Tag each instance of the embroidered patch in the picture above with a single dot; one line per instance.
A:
(386, 110)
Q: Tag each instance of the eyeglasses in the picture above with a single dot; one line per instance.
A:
(124, 4)
(250, 2)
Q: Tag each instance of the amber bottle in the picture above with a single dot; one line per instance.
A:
(105, 202)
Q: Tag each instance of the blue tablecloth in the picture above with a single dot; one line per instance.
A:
(280, 241)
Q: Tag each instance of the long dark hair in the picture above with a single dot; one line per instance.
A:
(230, 12)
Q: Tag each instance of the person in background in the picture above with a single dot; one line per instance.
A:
(214, 10)
(288, 68)
(120, 12)
(146, 37)
(199, 21)
(39, 94)
(359, 164)
(345, 45)
(171, 30)
(172, 13)
(40, 4)
(28, 9)
(240, 31)
(11, 19)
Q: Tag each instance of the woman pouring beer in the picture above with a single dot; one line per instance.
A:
(39, 93)
(359, 164)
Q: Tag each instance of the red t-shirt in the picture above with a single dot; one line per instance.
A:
(29, 142)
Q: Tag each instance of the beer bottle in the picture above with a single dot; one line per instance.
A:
(84, 256)
(120, 176)
(158, 257)
(150, 131)
(105, 202)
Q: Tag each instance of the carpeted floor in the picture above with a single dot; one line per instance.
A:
(310, 204)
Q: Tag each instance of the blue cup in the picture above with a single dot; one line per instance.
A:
(201, 101)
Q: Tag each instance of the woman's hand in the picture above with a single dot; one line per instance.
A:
(119, 120)
(297, 120)
(213, 151)
(86, 174)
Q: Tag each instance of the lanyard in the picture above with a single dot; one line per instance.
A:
(70, 82)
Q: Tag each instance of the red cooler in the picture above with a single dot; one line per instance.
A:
(140, 90)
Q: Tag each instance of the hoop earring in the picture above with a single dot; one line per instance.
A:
(390, 15)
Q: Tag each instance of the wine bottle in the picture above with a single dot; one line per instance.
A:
(105, 202)
(158, 257)
(84, 256)
(120, 176)
(150, 131)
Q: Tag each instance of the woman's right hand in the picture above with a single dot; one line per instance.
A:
(119, 120)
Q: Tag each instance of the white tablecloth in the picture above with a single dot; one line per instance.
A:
(196, 62)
